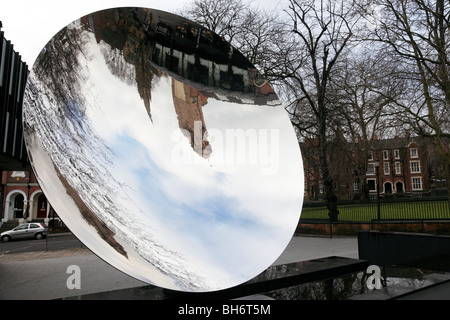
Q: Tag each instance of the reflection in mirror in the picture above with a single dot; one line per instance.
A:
(162, 149)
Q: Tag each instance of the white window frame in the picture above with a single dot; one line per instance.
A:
(416, 155)
(385, 155)
(18, 174)
(413, 184)
(418, 166)
(369, 172)
(398, 167)
(396, 154)
(370, 155)
(386, 166)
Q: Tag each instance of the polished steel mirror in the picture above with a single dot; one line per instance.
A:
(163, 150)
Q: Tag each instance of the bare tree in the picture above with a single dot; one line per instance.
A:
(321, 33)
(418, 32)
(362, 91)
(254, 32)
(224, 17)
(260, 39)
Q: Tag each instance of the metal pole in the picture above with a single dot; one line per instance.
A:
(2, 196)
(378, 192)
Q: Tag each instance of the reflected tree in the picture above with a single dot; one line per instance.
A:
(58, 60)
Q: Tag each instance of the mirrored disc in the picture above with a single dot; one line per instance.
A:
(163, 151)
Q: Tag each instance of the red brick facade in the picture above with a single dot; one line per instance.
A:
(21, 197)
(407, 167)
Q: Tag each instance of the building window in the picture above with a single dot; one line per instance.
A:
(371, 184)
(356, 185)
(386, 168)
(388, 187)
(417, 183)
(18, 206)
(413, 153)
(415, 166)
(399, 187)
(398, 168)
(370, 155)
(397, 154)
(370, 168)
(385, 155)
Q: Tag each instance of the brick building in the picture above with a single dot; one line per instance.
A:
(22, 197)
(407, 167)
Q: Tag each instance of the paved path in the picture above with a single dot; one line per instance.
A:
(43, 275)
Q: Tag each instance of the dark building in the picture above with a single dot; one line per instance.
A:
(21, 198)
(13, 78)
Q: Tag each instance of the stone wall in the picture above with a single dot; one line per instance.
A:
(351, 229)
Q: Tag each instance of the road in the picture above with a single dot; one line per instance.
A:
(52, 242)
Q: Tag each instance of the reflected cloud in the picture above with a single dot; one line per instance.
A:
(155, 143)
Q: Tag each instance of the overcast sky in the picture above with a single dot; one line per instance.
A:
(29, 24)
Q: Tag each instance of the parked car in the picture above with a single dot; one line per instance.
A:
(34, 230)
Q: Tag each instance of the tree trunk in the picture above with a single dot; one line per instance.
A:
(326, 178)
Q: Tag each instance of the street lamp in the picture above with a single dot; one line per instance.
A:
(377, 171)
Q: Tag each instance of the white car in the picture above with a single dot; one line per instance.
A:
(34, 230)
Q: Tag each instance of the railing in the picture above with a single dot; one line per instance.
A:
(405, 209)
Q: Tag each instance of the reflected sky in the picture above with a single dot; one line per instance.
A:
(160, 149)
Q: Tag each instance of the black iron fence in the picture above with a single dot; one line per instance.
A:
(383, 209)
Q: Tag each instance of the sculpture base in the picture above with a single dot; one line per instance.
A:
(331, 278)
(272, 279)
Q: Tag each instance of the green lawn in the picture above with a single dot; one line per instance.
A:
(436, 209)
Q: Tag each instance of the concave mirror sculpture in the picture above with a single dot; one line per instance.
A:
(162, 149)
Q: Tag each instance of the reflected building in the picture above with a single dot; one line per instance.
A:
(207, 66)
(188, 103)
(123, 30)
